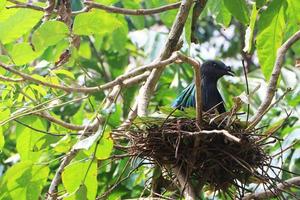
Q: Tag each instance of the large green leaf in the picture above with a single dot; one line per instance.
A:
(250, 30)
(73, 175)
(28, 145)
(238, 9)
(1, 138)
(293, 22)
(105, 146)
(2, 4)
(24, 181)
(95, 22)
(219, 11)
(14, 24)
(22, 53)
(271, 26)
(48, 34)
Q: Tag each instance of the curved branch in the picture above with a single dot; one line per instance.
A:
(295, 181)
(147, 90)
(125, 11)
(118, 81)
(274, 78)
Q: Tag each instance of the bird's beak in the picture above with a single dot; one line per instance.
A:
(230, 72)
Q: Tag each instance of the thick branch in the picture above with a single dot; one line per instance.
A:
(125, 11)
(274, 79)
(147, 90)
(186, 186)
(273, 193)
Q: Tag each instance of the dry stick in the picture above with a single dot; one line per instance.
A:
(274, 78)
(269, 194)
(125, 11)
(118, 81)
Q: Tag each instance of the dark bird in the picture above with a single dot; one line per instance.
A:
(211, 71)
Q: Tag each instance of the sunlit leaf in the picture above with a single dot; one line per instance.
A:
(48, 34)
(22, 53)
(17, 23)
(88, 23)
(1, 138)
(73, 177)
(250, 30)
(271, 26)
(24, 181)
(105, 146)
(238, 9)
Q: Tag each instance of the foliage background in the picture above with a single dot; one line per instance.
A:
(95, 47)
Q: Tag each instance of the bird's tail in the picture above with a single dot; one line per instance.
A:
(186, 98)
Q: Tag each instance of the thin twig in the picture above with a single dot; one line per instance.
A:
(126, 11)
(247, 90)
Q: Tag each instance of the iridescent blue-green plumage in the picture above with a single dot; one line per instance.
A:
(211, 71)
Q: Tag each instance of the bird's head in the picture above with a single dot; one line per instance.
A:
(215, 69)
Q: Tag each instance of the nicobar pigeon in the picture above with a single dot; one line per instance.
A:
(211, 71)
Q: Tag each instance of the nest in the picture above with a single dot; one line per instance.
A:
(216, 155)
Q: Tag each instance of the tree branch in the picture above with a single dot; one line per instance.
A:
(274, 79)
(118, 81)
(295, 181)
(125, 11)
(197, 74)
(147, 90)
(186, 186)
(19, 4)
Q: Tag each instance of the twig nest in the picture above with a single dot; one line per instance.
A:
(220, 155)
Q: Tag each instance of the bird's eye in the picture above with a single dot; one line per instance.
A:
(214, 64)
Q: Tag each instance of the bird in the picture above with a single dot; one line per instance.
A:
(211, 72)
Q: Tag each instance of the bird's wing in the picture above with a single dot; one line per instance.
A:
(186, 98)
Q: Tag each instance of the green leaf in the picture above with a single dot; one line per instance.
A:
(48, 34)
(2, 4)
(219, 12)
(105, 145)
(64, 72)
(17, 23)
(223, 15)
(23, 181)
(250, 30)
(1, 138)
(293, 22)
(85, 50)
(260, 3)
(271, 26)
(238, 9)
(63, 145)
(22, 53)
(89, 23)
(28, 145)
(73, 175)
